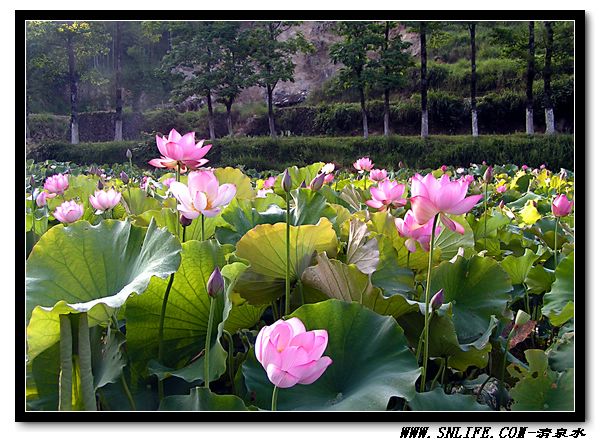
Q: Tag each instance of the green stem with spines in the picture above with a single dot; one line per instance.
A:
(211, 317)
(202, 222)
(274, 399)
(556, 243)
(161, 325)
(287, 247)
(427, 300)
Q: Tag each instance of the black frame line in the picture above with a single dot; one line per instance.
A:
(307, 417)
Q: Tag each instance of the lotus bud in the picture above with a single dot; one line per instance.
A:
(501, 205)
(317, 182)
(444, 168)
(100, 185)
(215, 283)
(124, 177)
(488, 175)
(128, 154)
(521, 318)
(437, 300)
(563, 174)
(184, 221)
(32, 181)
(286, 182)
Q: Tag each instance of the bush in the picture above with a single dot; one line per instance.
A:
(265, 153)
(48, 127)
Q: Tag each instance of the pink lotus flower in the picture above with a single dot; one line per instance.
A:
(57, 184)
(524, 167)
(291, 355)
(363, 164)
(328, 168)
(378, 174)
(68, 212)
(385, 194)
(414, 232)
(167, 183)
(561, 206)
(180, 150)
(202, 195)
(329, 178)
(40, 200)
(431, 196)
(501, 189)
(269, 182)
(103, 200)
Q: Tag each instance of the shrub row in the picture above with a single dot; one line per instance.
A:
(499, 113)
(265, 153)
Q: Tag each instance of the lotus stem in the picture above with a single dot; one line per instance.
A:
(485, 216)
(408, 259)
(230, 361)
(183, 235)
(211, 317)
(32, 215)
(274, 399)
(65, 380)
(202, 222)
(275, 310)
(127, 392)
(161, 325)
(556, 244)
(178, 179)
(427, 300)
(510, 335)
(287, 247)
(439, 372)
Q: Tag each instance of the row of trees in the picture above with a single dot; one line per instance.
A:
(218, 60)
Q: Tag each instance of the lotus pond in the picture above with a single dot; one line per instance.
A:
(321, 288)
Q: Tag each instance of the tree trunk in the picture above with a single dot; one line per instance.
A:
(386, 92)
(547, 77)
(228, 105)
(386, 112)
(211, 116)
(363, 108)
(474, 125)
(530, 74)
(424, 116)
(119, 90)
(73, 87)
(271, 115)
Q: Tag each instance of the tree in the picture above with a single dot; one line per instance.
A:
(194, 57)
(424, 115)
(359, 38)
(272, 57)
(58, 52)
(390, 67)
(474, 125)
(549, 111)
(530, 77)
(118, 85)
(235, 70)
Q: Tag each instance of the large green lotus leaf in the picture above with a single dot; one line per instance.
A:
(371, 363)
(437, 400)
(352, 198)
(137, 201)
(186, 316)
(243, 314)
(239, 217)
(518, 268)
(346, 282)
(478, 289)
(520, 203)
(264, 247)
(389, 276)
(363, 248)
(202, 399)
(448, 242)
(262, 204)
(94, 269)
(561, 356)
(242, 182)
(443, 339)
(307, 207)
(541, 389)
(559, 304)
(44, 372)
(489, 228)
(539, 280)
